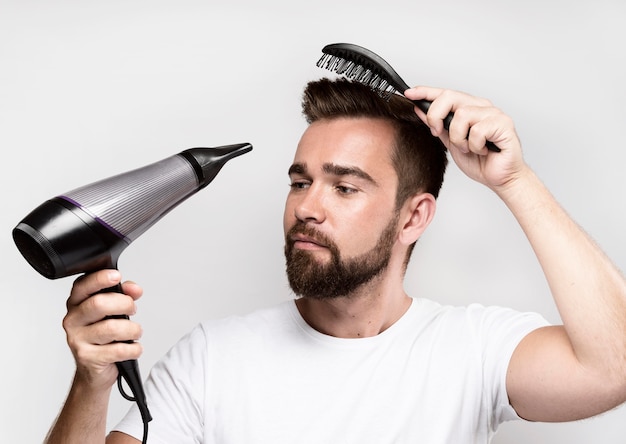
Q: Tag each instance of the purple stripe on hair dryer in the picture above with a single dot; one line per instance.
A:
(86, 229)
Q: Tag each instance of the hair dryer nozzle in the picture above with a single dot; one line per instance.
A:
(207, 162)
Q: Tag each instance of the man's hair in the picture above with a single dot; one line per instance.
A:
(418, 157)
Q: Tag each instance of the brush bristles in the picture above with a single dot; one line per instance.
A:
(355, 71)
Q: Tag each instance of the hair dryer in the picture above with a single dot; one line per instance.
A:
(86, 229)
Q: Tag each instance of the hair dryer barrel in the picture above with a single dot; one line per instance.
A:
(87, 228)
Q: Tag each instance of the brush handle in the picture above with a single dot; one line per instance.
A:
(424, 105)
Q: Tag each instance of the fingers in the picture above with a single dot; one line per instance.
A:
(88, 303)
(475, 123)
(96, 341)
(111, 330)
(132, 289)
(475, 119)
(95, 364)
(473, 126)
(106, 342)
(103, 343)
(99, 306)
(92, 283)
(88, 322)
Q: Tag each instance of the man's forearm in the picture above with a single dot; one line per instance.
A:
(83, 417)
(588, 289)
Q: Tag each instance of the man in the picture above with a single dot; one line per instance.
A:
(354, 359)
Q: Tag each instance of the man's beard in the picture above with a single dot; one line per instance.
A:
(338, 277)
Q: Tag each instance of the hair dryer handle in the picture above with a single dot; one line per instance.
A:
(129, 371)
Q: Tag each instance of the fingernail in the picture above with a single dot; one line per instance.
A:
(114, 275)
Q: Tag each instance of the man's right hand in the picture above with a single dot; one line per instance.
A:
(97, 343)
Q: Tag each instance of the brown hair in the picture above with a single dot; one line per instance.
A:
(419, 158)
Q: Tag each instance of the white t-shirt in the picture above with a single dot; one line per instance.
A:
(436, 376)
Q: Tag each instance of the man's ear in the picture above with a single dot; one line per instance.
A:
(415, 216)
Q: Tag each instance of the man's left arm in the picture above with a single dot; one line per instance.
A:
(579, 369)
(556, 373)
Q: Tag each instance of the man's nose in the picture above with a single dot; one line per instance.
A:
(310, 205)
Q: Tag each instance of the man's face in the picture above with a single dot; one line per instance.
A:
(340, 218)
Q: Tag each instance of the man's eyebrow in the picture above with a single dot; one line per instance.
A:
(341, 170)
(335, 170)
(297, 168)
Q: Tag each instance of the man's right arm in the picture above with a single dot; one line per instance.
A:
(121, 438)
(95, 344)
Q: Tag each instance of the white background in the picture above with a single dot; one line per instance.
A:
(89, 89)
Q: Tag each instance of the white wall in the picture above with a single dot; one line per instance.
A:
(89, 89)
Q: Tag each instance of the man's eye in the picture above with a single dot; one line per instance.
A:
(342, 189)
(298, 185)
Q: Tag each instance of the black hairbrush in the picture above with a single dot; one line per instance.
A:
(364, 66)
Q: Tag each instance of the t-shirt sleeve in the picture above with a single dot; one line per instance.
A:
(499, 331)
(175, 395)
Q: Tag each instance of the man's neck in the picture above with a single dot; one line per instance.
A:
(364, 314)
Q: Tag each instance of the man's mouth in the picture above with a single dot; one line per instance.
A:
(304, 242)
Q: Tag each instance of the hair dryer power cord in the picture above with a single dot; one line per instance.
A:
(129, 372)
(140, 404)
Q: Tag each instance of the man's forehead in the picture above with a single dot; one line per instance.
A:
(349, 141)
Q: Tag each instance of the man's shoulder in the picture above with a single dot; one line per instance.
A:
(471, 317)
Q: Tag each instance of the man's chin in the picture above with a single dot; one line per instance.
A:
(319, 256)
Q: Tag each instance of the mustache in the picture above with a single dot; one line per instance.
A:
(307, 230)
